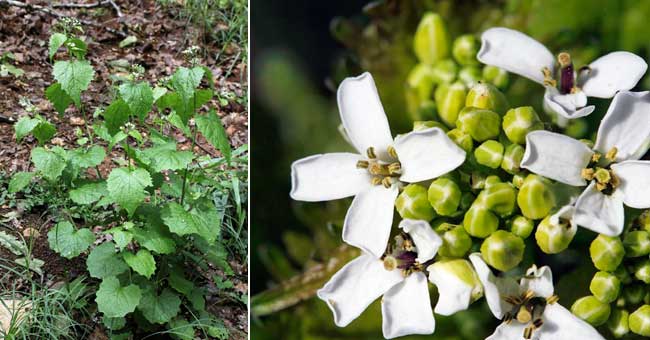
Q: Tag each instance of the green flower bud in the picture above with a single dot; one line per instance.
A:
(521, 226)
(618, 323)
(623, 275)
(487, 96)
(444, 196)
(465, 49)
(553, 238)
(512, 158)
(479, 221)
(644, 220)
(633, 294)
(606, 252)
(419, 87)
(639, 321)
(455, 240)
(412, 203)
(470, 76)
(590, 309)
(577, 128)
(481, 124)
(496, 76)
(449, 101)
(637, 243)
(535, 198)
(605, 287)
(444, 72)
(642, 271)
(518, 180)
(518, 122)
(498, 198)
(503, 250)
(462, 139)
(490, 154)
(466, 201)
(427, 124)
(491, 180)
(431, 40)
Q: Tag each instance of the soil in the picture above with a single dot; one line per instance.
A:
(162, 34)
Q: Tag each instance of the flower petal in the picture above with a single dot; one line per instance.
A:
(406, 308)
(458, 285)
(556, 156)
(353, 288)
(327, 177)
(509, 331)
(369, 218)
(635, 182)
(599, 212)
(565, 213)
(427, 154)
(626, 126)
(515, 52)
(363, 115)
(427, 242)
(613, 72)
(494, 288)
(569, 106)
(538, 280)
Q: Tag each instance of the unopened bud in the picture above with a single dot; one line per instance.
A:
(606, 252)
(640, 321)
(455, 240)
(462, 139)
(419, 88)
(518, 122)
(489, 154)
(487, 96)
(634, 294)
(479, 221)
(481, 124)
(553, 238)
(521, 226)
(431, 40)
(518, 180)
(412, 203)
(618, 322)
(465, 49)
(605, 287)
(503, 250)
(496, 76)
(470, 76)
(622, 275)
(637, 243)
(499, 198)
(450, 99)
(535, 198)
(577, 128)
(427, 124)
(590, 309)
(444, 72)
(444, 195)
(642, 271)
(491, 180)
(512, 158)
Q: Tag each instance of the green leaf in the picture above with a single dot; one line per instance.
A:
(211, 128)
(24, 126)
(178, 281)
(44, 131)
(126, 187)
(13, 244)
(139, 98)
(48, 163)
(67, 241)
(116, 115)
(185, 81)
(116, 301)
(130, 40)
(59, 99)
(103, 261)
(77, 47)
(181, 329)
(142, 262)
(158, 92)
(121, 237)
(155, 238)
(166, 157)
(19, 181)
(88, 193)
(74, 76)
(160, 308)
(195, 221)
(56, 41)
(88, 158)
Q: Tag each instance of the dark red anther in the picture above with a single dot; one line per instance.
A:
(406, 259)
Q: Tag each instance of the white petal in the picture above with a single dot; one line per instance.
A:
(494, 288)
(561, 324)
(569, 106)
(538, 280)
(556, 156)
(427, 242)
(327, 177)
(363, 115)
(515, 52)
(635, 183)
(353, 288)
(565, 213)
(457, 284)
(406, 308)
(626, 126)
(369, 218)
(511, 331)
(613, 72)
(427, 154)
(599, 212)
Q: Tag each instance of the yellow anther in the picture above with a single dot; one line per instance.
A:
(394, 168)
(387, 182)
(392, 152)
(611, 154)
(575, 90)
(390, 263)
(408, 245)
(375, 181)
(552, 299)
(564, 59)
(548, 77)
(378, 169)
(371, 153)
(595, 157)
(614, 182)
(601, 186)
(587, 174)
(362, 164)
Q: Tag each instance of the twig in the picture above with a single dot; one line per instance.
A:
(91, 5)
(7, 120)
(116, 7)
(59, 15)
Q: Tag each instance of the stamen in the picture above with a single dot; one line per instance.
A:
(601, 186)
(371, 153)
(392, 152)
(394, 168)
(387, 182)
(611, 154)
(567, 75)
(602, 176)
(587, 174)
(362, 164)
(390, 263)
(378, 169)
(548, 77)
(595, 157)
(375, 181)
(552, 299)
(615, 181)
(564, 59)
(524, 315)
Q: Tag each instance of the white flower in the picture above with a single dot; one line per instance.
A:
(413, 157)
(611, 171)
(400, 278)
(566, 90)
(529, 308)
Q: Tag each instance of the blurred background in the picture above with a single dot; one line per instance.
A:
(302, 50)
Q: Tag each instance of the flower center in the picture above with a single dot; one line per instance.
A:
(528, 308)
(403, 256)
(599, 170)
(382, 172)
(566, 76)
